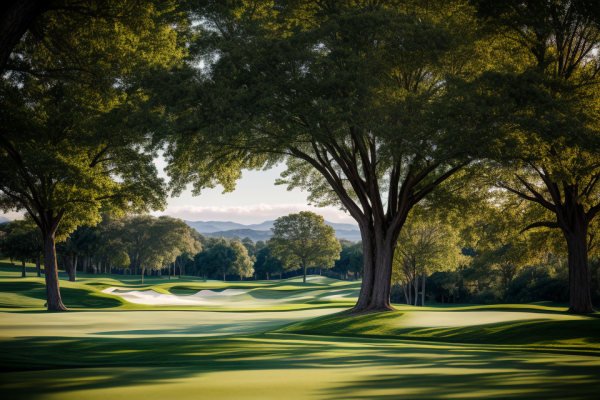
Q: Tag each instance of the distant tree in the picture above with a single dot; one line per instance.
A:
(351, 258)
(425, 245)
(217, 257)
(266, 264)
(22, 241)
(304, 240)
(243, 264)
(249, 245)
(155, 241)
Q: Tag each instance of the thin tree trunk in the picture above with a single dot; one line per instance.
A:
(416, 289)
(71, 268)
(304, 268)
(143, 269)
(54, 301)
(423, 290)
(37, 266)
(23, 272)
(405, 294)
(224, 277)
(267, 275)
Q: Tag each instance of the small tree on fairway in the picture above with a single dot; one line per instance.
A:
(304, 240)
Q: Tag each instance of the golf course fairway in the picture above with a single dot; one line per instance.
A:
(295, 343)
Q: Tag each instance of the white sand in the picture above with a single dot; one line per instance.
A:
(152, 298)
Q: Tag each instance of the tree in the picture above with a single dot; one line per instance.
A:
(547, 133)
(304, 240)
(243, 264)
(351, 258)
(344, 93)
(217, 258)
(155, 241)
(266, 263)
(22, 241)
(425, 245)
(69, 146)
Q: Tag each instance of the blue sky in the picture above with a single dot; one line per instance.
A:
(255, 199)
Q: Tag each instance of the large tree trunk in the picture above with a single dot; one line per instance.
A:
(423, 290)
(54, 302)
(382, 284)
(24, 271)
(366, 287)
(579, 273)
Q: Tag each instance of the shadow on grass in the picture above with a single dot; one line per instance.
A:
(579, 334)
(363, 369)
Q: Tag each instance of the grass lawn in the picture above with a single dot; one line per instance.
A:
(282, 339)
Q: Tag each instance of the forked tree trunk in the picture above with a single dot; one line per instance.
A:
(54, 301)
(24, 271)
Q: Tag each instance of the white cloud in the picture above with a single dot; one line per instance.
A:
(252, 214)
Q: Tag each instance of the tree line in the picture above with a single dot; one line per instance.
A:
(375, 107)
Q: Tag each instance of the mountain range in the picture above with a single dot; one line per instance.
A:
(262, 231)
(4, 220)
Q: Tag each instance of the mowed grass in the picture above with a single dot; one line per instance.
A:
(270, 366)
(290, 342)
(28, 294)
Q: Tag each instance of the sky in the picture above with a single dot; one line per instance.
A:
(255, 199)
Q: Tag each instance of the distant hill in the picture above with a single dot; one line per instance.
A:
(264, 235)
(220, 226)
(4, 220)
(242, 233)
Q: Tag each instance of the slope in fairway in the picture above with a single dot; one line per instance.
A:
(111, 348)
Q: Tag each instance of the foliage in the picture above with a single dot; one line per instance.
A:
(304, 240)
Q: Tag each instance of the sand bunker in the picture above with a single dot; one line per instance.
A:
(153, 298)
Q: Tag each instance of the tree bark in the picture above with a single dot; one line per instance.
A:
(366, 287)
(72, 267)
(405, 293)
(304, 269)
(23, 272)
(143, 269)
(416, 289)
(382, 283)
(267, 275)
(224, 277)
(37, 266)
(423, 290)
(54, 301)
(579, 273)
